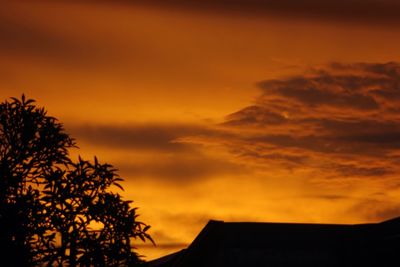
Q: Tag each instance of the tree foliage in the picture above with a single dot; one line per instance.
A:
(54, 211)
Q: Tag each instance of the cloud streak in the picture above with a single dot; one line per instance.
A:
(160, 137)
(182, 169)
(372, 11)
(174, 161)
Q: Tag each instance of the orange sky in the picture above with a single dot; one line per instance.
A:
(221, 110)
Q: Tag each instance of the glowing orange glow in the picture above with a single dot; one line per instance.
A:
(163, 94)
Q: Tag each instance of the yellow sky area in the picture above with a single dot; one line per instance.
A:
(178, 210)
(125, 65)
(182, 212)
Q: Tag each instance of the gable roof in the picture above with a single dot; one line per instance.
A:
(286, 244)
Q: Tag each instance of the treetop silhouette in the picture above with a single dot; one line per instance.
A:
(54, 211)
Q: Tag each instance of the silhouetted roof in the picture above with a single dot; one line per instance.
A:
(168, 260)
(249, 244)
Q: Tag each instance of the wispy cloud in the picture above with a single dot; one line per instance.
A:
(172, 161)
(139, 136)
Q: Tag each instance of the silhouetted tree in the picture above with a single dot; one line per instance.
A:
(54, 211)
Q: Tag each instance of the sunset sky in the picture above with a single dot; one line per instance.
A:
(235, 110)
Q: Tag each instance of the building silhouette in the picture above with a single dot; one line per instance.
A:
(250, 244)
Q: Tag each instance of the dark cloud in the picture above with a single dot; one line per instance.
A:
(338, 118)
(277, 157)
(254, 115)
(374, 11)
(352, 170)
(181, 169)
(331, 197)
(317, 91)
(312, 96)
(355, 125)
(282, 141)
(328, 134)
(390, 140)
(161, 137)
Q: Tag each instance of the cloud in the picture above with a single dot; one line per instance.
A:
(376, 12)
(319, 91)
(181, 169)
(159, 137)
(373, 11)
(352, 170)
(357, 86)
(173, 160)
(63, 32)
(254, 115)
(331, 197)
(337, 119)
(21, 36)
